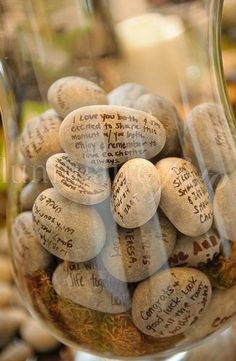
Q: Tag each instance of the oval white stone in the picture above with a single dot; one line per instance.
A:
(29, 256)
(169, 302)
(72, 92)
(135, 254)
(76, 182)
(210, 137)
(70, 231)
(126, 94)
(136, 193)
(195, 251)
(184, 198)
(91, 287)
(40, 138)
(108, 135)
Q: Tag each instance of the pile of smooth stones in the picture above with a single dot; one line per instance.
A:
(128, 202)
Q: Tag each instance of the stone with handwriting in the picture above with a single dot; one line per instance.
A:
(171, 301)
(126, 94)
(91, 287)
(208, 133)
(73, 92)
(76, 182)
(136, 193)
(224, 206)
(167, 114)
(40, 138)
(108, 135)
(195, 251)
(28, 253)
(184, 197)
(68, 230)
(135, 254)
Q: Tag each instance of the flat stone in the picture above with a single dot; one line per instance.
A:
(136, 193)
(195, 251)
(68, 230)
(76, 182)
(166, 113)
(28, 254)
(30, 192)
(40, 138)
(135, 254)
(109, 135)
(91, 287)
(126, 94)
(72, 92)
(208, 132)
(169, 302)
(37, 336)
(184, 197)
(224, 207)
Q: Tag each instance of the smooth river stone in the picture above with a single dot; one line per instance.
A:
(126, 94)
(40, 138)
(70, 231)
(221, 309)
(195, 251)
(91, 288)
(31, 191)
(166, 113)
(29, 256)
(208, 132)
(169, 302)
(135, 254)
(136, 193)
(184, 198)
(224, 207)
(72, 92)
(109, 135)
(76, 182)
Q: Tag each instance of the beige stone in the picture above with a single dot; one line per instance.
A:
(30, 192)
(10, 322)
(126, 94)
(19, 351)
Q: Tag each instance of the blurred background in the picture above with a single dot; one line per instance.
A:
(21, 338)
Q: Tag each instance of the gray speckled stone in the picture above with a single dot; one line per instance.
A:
(195, 251)
(135, 254)
(76, 182)
(169, 302)
(70, 231)
(72, 92)
(108, 135)
(184, 198)
(91, 287)
(126, 94)
(136, 193)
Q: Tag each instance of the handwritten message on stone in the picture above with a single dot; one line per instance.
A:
(135, 254)
(40, 138)
(171, 301)
(136, 192)
(91, 288)
(68, 230)
(208, 133)
(77, 182)
(106, 135)
(195, 251)
(184, 198)
(28, 253)
(72, 92)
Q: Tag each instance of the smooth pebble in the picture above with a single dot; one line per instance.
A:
(195, 251)
(171, 301)
(126, 94)
(184, 197)
(109, 135)
(90, 287)
(30, 192)
(135, 254)
(136, 193)
(76, 182)
(70, 231)
(72, 92)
